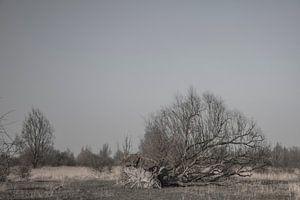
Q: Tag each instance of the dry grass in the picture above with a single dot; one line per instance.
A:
(3, 188)
(291, 177)
(75, 173)
(294, 189)
(85, 183)
(277, 174)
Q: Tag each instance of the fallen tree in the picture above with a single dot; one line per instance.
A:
(198, 140)
(140, 172)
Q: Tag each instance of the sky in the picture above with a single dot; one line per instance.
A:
(97, 69)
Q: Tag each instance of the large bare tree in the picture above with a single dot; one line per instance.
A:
(37, 136)
(197, 139)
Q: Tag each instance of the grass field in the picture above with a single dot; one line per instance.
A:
(84, 183)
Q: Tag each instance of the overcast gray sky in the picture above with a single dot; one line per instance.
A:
(98, 68)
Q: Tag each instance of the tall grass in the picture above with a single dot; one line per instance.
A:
(76, 173)
(277, 174)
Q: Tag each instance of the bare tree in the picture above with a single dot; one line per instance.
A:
(118, 156)
(197, 139)
(121, 155)
(8, 148)
(87, 158)
(127, 146)
(105, 152)
(5, 139)
(105, 157)
(37, 136)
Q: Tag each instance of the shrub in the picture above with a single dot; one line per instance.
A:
(4, 167)
(23, 171)
(4, 172)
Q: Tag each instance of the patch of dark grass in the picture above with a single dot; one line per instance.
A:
(108, 190)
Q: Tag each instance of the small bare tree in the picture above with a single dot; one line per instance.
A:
(197, 139)
(37, 136)
(8, 148)
(121, 155)
(105, 157)
(127, 146)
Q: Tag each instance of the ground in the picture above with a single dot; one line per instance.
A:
(52, 184)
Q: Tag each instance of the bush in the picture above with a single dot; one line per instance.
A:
(4, 167)
(23, 171)
(104, 158)
(4, 172)
(96, 161)
(57, 158)
(88, 159)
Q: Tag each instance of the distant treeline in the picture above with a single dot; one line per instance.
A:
(280, 156)
(286, 157)
(86, 157)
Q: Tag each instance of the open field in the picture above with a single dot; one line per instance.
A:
(83, 183)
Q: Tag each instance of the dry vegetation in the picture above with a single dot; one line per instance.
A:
(196, 143)
(85, 183)
(73, 173)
